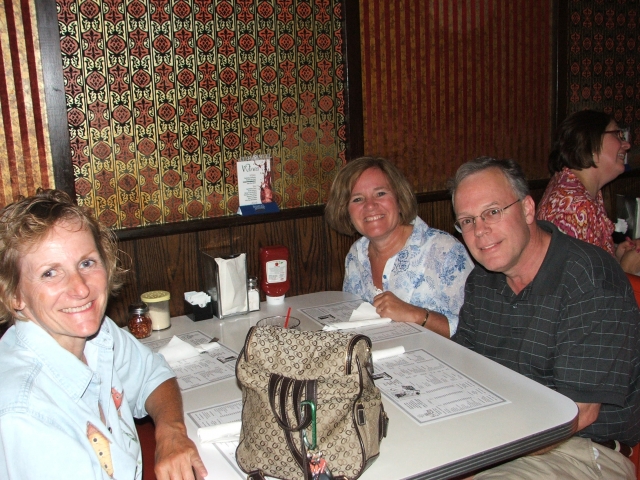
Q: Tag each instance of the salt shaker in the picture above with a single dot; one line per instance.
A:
(254, 294)
(139, 320)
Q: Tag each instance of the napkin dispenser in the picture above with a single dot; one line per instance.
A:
(225, 278)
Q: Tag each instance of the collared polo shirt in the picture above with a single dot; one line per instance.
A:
(575, 328)
(50, 402)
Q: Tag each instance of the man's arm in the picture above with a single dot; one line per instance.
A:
(587, 414)
(176, 455)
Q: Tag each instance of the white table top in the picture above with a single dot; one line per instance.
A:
(534, 417)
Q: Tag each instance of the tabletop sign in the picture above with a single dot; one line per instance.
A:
(255, 193)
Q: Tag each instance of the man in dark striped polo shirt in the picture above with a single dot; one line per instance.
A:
(555, 309)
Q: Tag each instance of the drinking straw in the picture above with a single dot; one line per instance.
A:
(286, 321)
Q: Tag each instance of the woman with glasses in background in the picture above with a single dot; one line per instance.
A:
(589, 152)
(409, 271)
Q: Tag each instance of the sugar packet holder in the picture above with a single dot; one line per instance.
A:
(198, 306)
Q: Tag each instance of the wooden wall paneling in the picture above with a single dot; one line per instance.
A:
(437, 214)
(561, 91)
(338, 246)
(168, 263)
(627, 184)
(353, 93)
(310, 254)
(58, 126)
(117, 308)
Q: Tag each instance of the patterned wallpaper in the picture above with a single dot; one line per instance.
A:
(164, 96)
(445, 82)
(604, 61)
(25, 156)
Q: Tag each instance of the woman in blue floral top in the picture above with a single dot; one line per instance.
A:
(409, 271)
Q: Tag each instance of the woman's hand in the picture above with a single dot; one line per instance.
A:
(388, 305)
(176, 455)
(624, 247)
(630, 260)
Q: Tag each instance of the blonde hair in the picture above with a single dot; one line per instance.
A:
(27, 221)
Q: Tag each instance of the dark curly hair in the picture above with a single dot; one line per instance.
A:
(577, 139)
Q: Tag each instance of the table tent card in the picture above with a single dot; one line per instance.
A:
(255, 192)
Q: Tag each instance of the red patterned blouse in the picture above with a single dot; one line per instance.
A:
(567, 204)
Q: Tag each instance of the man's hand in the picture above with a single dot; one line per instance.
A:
(587, 414)
(176, 455)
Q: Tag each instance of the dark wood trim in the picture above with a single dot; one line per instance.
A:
(561, 57)
(216, 223)
(353, 72)
(51, 57)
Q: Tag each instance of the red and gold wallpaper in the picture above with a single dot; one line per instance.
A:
(165, 96)
(604, 65)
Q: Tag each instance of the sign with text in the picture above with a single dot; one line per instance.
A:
(255, 193)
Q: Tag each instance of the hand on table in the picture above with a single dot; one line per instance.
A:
(630, 260)
(177, 457)
(627, 246)
(388, 305)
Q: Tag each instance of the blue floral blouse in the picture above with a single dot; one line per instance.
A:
(429, 272)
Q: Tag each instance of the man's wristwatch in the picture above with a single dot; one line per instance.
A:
(426, 317)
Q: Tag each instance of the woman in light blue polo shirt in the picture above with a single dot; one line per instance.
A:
(72, 381)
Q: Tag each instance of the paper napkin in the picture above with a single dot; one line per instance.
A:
(205, 347)
(225, 432)
(177, 350)
(356, 324)
(386, 353)
(365, 311)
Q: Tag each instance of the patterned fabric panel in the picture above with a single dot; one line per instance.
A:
(165, 96)
(25, 154)
(603, 60)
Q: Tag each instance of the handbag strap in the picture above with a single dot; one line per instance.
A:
(279, 388)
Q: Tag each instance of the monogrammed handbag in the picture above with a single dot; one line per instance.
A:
(309, 404)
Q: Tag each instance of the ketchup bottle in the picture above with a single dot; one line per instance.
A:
(274, 263)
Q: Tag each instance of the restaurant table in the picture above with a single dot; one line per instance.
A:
(533, 417)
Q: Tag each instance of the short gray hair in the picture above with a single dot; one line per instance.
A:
(509, 169)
